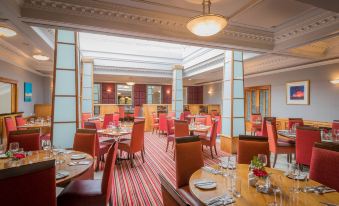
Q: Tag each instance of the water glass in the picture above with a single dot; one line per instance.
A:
(14, 147)
(263, 159)
(236, 186)
(2, 149)
(46, 145)
(276, 184)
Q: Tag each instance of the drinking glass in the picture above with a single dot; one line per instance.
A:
(294, 172)
(276, 183)
(14, 147)
(236, 186)
(263, 159)
(224, 165)
(46, 145)
(2, 149)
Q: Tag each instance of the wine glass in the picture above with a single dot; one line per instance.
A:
(46, 145)
(14, 147)
(263, 159)
(276, 182)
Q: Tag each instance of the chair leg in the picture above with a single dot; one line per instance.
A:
(211, 152)
(142, 157)
(275, 159)
(132, 163)
(173, 145)
(202, 147)
(167, 145)
(215, 149)
(174, 155)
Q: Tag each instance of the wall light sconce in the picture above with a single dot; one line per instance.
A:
(336, 81)
(210, 92)
(108, 90)
(168, 91)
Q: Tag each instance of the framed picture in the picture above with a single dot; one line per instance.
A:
(298, 92)
(27, 92)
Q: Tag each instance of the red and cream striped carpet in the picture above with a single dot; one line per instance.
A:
(141, 185)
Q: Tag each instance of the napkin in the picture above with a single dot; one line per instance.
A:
(203, 182)
(212, 170)
(220, 200)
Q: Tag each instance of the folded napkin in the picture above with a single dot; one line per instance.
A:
(212, 170)
(204, 182)
(73, 163)
(220, 200)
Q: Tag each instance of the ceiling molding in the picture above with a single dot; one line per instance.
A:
(135, 71)
(205, 66)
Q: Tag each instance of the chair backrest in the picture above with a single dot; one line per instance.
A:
(324, 164)
(170, 126)
(84, 118)
(107, 119)
(171, 114)
(163, 121)
(292, 121)
(208, 120)
(186, 113)
(249, 146)
(272, 135)
(20, 121)
(218, 118)
(305, 139)
(181, 128)
(214, 113)
(201, 120)
(335, 127)
(170, 196)
(188, 159)
(255, 117)
(85, 140)
(182, 116)
(90, 125)
(116, 117)
(9, 125)
(122, 111)
(154, 118)
(31, 184)
(136, 111)
(137, 136)
(107, 178)
(264, 127)
(29, 140)
(214, 130)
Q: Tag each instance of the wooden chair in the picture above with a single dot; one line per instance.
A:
(29, 140)
(170, 196)
(181, 129)
(250, 146)
(211, 140)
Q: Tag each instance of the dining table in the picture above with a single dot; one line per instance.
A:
(291, 136)
(43, 126)
(250, 196)
(68, 162)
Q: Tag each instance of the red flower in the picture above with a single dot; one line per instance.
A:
(259, 173)
(18, 156)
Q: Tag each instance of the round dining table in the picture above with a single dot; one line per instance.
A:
(74, 170)
(249, 195)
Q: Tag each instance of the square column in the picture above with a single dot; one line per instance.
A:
(65, 117)
(233, 115)
(177, 91)
(87, 86)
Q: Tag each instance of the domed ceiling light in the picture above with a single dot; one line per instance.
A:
(130, 83)
(7, 32)
(206, 24)
(40, 57)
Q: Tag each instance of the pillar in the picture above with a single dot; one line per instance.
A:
(233, 119)
(65, 117)
(177, 91)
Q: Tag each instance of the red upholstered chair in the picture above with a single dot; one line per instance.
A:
(97, 124)
(116, 118)
(211, 140)
(84, 118)
(188, 160)
(136, 111)
(122, 113)
(155, 123)
(305, 139)
(108, 118)
(218, 118)
(9, 125)
(293, 121)
(276, 146)
(32, 184)
(250, 146)
(214, 113)
(181, 129)
(162, 123)
(170, 196)
(20, 121)
(254, 119)
(136, 143)
(171, 114)
(29, 140)
(182, 116)
(324, 164)
(335, 127)
(170, 132)
(91, 192)
(263, 130)
(200, 120)
(187, 113)
(208, 120)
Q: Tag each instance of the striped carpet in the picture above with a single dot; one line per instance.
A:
(141, 185)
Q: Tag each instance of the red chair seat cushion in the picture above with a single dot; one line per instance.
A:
(285, 148)
(187, 195)
(82, 192)
(170, 138)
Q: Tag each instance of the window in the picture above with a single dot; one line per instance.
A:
(8, 99)
(257, 101)
(96, 93)
(124, 94)
(185, 95)
(153, 94)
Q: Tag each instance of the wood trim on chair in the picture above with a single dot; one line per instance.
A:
(327, 145)
(253, 138)
(172, 191)
(26, 131)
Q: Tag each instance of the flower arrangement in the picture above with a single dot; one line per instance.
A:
(15, 156)
(258, 168)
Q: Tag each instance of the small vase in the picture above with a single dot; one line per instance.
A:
(252, 179)
(264, 184)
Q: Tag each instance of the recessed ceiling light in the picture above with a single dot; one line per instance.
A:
(4, 31)
(189, 79)
(40, 57)
(130, 83)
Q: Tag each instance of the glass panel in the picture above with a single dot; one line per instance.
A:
(238, 56)
(185, 95)
(226, 126)
(64, 109)
(65, 82)
(253, 96)
(66, 56)
(238, 86)
(179, 74)
(267, 106)
(5, 97)
(228, 71)
(179, 95)
(88, 69)
(87, 105)
(238, 107)
(226, 108)
(238, 70)
(124, 94)
(248, 105)
(238, 126)
(66, 36)
(87, 81)
(227, 89)
(96, 93)
(179, 84)
(63, 135)
(154, 94)
(87, 93)
(261, 101)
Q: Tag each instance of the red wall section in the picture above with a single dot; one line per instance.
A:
(166, 94)
(107, 93)
(195, 95)
(139, 94)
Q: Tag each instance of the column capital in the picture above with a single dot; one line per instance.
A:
(87, 60)
(177, 67)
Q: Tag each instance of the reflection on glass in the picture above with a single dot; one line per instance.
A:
(154, 94)
(5, 97)
(248, 106)
(96, 93)
(124, 94)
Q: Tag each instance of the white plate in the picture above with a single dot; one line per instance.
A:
(205, 184)
(3, 156)
(61, 174)
(78, 156)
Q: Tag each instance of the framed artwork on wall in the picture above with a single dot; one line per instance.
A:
(298, 93)
(27, 92)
